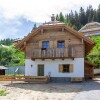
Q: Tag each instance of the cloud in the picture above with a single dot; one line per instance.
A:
(41, 10)
(15, 28)
(17, 17)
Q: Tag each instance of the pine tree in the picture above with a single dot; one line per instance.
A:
(91, 12)
(95, 15)
(82, 16)
(98, 13)
(57, 17)
(61, 17)
(78, 19)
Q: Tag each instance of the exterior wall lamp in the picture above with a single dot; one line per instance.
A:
(31, 65)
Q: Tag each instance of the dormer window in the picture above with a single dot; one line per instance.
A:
(61, 44)
(45, 44)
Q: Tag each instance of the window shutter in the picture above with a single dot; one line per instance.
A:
(40, 44)
(51, 44)
(71, 68)
(60, 68)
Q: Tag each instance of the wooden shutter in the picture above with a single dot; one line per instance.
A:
(71, 68)
(40, 44)
(60, 68)
(51, 44)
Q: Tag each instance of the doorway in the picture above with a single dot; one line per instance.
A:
(40, 70)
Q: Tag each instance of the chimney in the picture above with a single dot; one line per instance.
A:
(53, 17)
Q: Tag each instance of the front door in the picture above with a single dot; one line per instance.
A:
(40, 70)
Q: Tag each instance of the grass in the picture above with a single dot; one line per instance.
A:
(3, 92)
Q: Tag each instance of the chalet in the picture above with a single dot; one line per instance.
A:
(56, 50)
(91, 29)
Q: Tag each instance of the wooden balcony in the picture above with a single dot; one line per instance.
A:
(52, 53)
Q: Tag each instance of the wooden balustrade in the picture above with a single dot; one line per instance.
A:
(73, 51)
(52, 53)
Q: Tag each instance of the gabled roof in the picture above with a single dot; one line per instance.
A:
(89, 43)
(92, 23)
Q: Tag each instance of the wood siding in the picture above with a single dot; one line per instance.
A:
(88, 71)
(73, 45)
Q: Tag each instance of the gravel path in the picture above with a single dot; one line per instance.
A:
(51, 91)
(89, 90)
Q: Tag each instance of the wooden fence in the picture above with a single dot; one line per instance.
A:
(35, 79)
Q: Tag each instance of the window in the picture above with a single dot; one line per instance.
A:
(45, 44)
(61, 44)
(66, 68)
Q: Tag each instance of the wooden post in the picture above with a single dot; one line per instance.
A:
(72, 52)
(82, 41)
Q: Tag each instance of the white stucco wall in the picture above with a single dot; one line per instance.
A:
(52, 66)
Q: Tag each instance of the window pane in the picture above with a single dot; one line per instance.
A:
(66, 68)
(45, 44)
(61, 44)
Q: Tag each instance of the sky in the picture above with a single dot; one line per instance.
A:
(17, 17)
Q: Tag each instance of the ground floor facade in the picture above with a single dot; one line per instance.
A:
(57, 69)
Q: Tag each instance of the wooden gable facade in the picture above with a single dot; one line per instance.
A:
(91, 29)
(76, 45)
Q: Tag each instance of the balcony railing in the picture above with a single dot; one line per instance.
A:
(52, 53)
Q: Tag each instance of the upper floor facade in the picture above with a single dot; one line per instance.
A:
(55, 40)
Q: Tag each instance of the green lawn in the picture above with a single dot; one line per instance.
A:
(3, 92)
